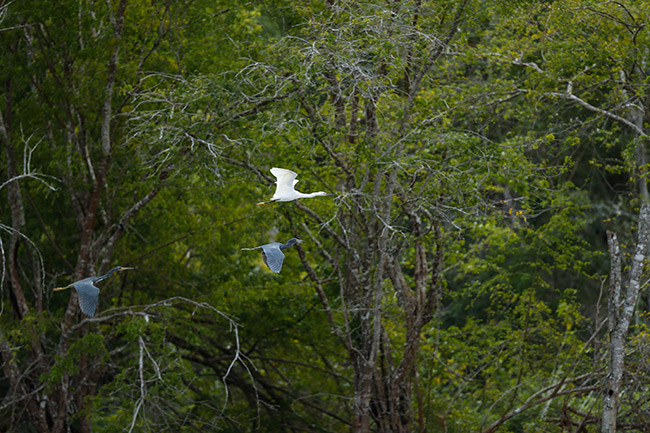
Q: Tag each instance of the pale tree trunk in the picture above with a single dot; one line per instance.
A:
(17, 292)
(623, 297)
(621, 303)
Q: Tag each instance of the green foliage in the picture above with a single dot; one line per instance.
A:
(521, 181)
(90, 345)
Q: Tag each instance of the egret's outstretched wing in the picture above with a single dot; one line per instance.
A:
(286, 179)
(88, 297)
(273, 256)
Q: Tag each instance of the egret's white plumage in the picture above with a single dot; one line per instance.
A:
(285, 183)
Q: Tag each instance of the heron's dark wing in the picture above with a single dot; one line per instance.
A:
(273, 256)
(88, 296)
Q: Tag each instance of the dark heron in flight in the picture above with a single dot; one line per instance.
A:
(272, 253)
(284, 191)
(88, 292)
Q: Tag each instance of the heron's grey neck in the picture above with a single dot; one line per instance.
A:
(103, 277)
(287, 245)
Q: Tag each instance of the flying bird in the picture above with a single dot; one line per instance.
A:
(272, 253)
(284, 191)
(88, 292)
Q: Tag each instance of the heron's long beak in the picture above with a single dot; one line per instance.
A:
(123, 268)
(56, 289)
(299, 241)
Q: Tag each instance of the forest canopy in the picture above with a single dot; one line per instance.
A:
(476, 262)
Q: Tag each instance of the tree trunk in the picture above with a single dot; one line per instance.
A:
(621, 304)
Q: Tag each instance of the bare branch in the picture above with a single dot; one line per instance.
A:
(556, 390)
(571, 97)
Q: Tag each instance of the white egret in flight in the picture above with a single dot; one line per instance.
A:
(284, 191)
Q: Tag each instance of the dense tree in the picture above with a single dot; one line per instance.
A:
(476, 155)
(74, 180)
(588, 56)
(362, 94)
